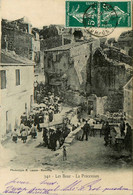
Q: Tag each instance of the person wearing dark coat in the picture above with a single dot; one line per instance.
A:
(36, 121)
(41, 117)
(53, 140)
(29, 122)
(106, 133)
(45, 136)
(24, 118)
(33, 131)
(122, 127)
(58, 133)
(50, 116)
(128, 138)
(86, 129)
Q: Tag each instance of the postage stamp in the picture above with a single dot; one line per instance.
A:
(98, 14)
(106, 19)
(115, 13)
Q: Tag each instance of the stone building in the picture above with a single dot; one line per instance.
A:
(57, 35)
(65, 67)
(16, 89)
(84, 67)
(108, 76)
(18, 36)
(117, 54)
(125, 42)
(128, 101)
(36, 46)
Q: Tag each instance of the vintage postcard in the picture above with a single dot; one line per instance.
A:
(66, 89)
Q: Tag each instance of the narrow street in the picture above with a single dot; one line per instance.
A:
(29, 154)
(91, 155)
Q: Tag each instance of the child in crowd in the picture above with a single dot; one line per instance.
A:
(64, 153)
(15, 136)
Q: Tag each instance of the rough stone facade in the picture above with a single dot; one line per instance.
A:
(108, 78)
(51, 42)
(128, 101)
(17, 37)
(124, 42)
(17, 41)
(108, 74)
(118, 55)
(83, 68)
(68, 63)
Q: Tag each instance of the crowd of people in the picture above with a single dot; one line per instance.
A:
(124, 133)
(54, 136)
(41, 90)
(109, 132)
(41, 113)
(23, 132)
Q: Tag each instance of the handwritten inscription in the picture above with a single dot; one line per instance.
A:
(16, 181)
(16, 186)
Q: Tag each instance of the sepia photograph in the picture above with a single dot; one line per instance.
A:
(66, 89)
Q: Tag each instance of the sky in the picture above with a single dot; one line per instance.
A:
(39, 12)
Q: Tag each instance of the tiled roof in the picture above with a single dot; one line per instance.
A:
(10, 57)
(69, 46)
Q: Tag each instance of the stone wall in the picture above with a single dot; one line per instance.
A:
(108, 78)
(108, 74)
(114, 101)
(50, 42)
(17, 41)
(74, 98)
(128, 101)
(71, 62)
(116, 54)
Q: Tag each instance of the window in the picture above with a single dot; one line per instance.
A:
(17, 77)
(2, 79)
(49, 63)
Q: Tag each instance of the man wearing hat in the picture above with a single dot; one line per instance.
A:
(86, 129)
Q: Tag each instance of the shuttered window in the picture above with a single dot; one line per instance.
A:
(3, 79)
(17, 77)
